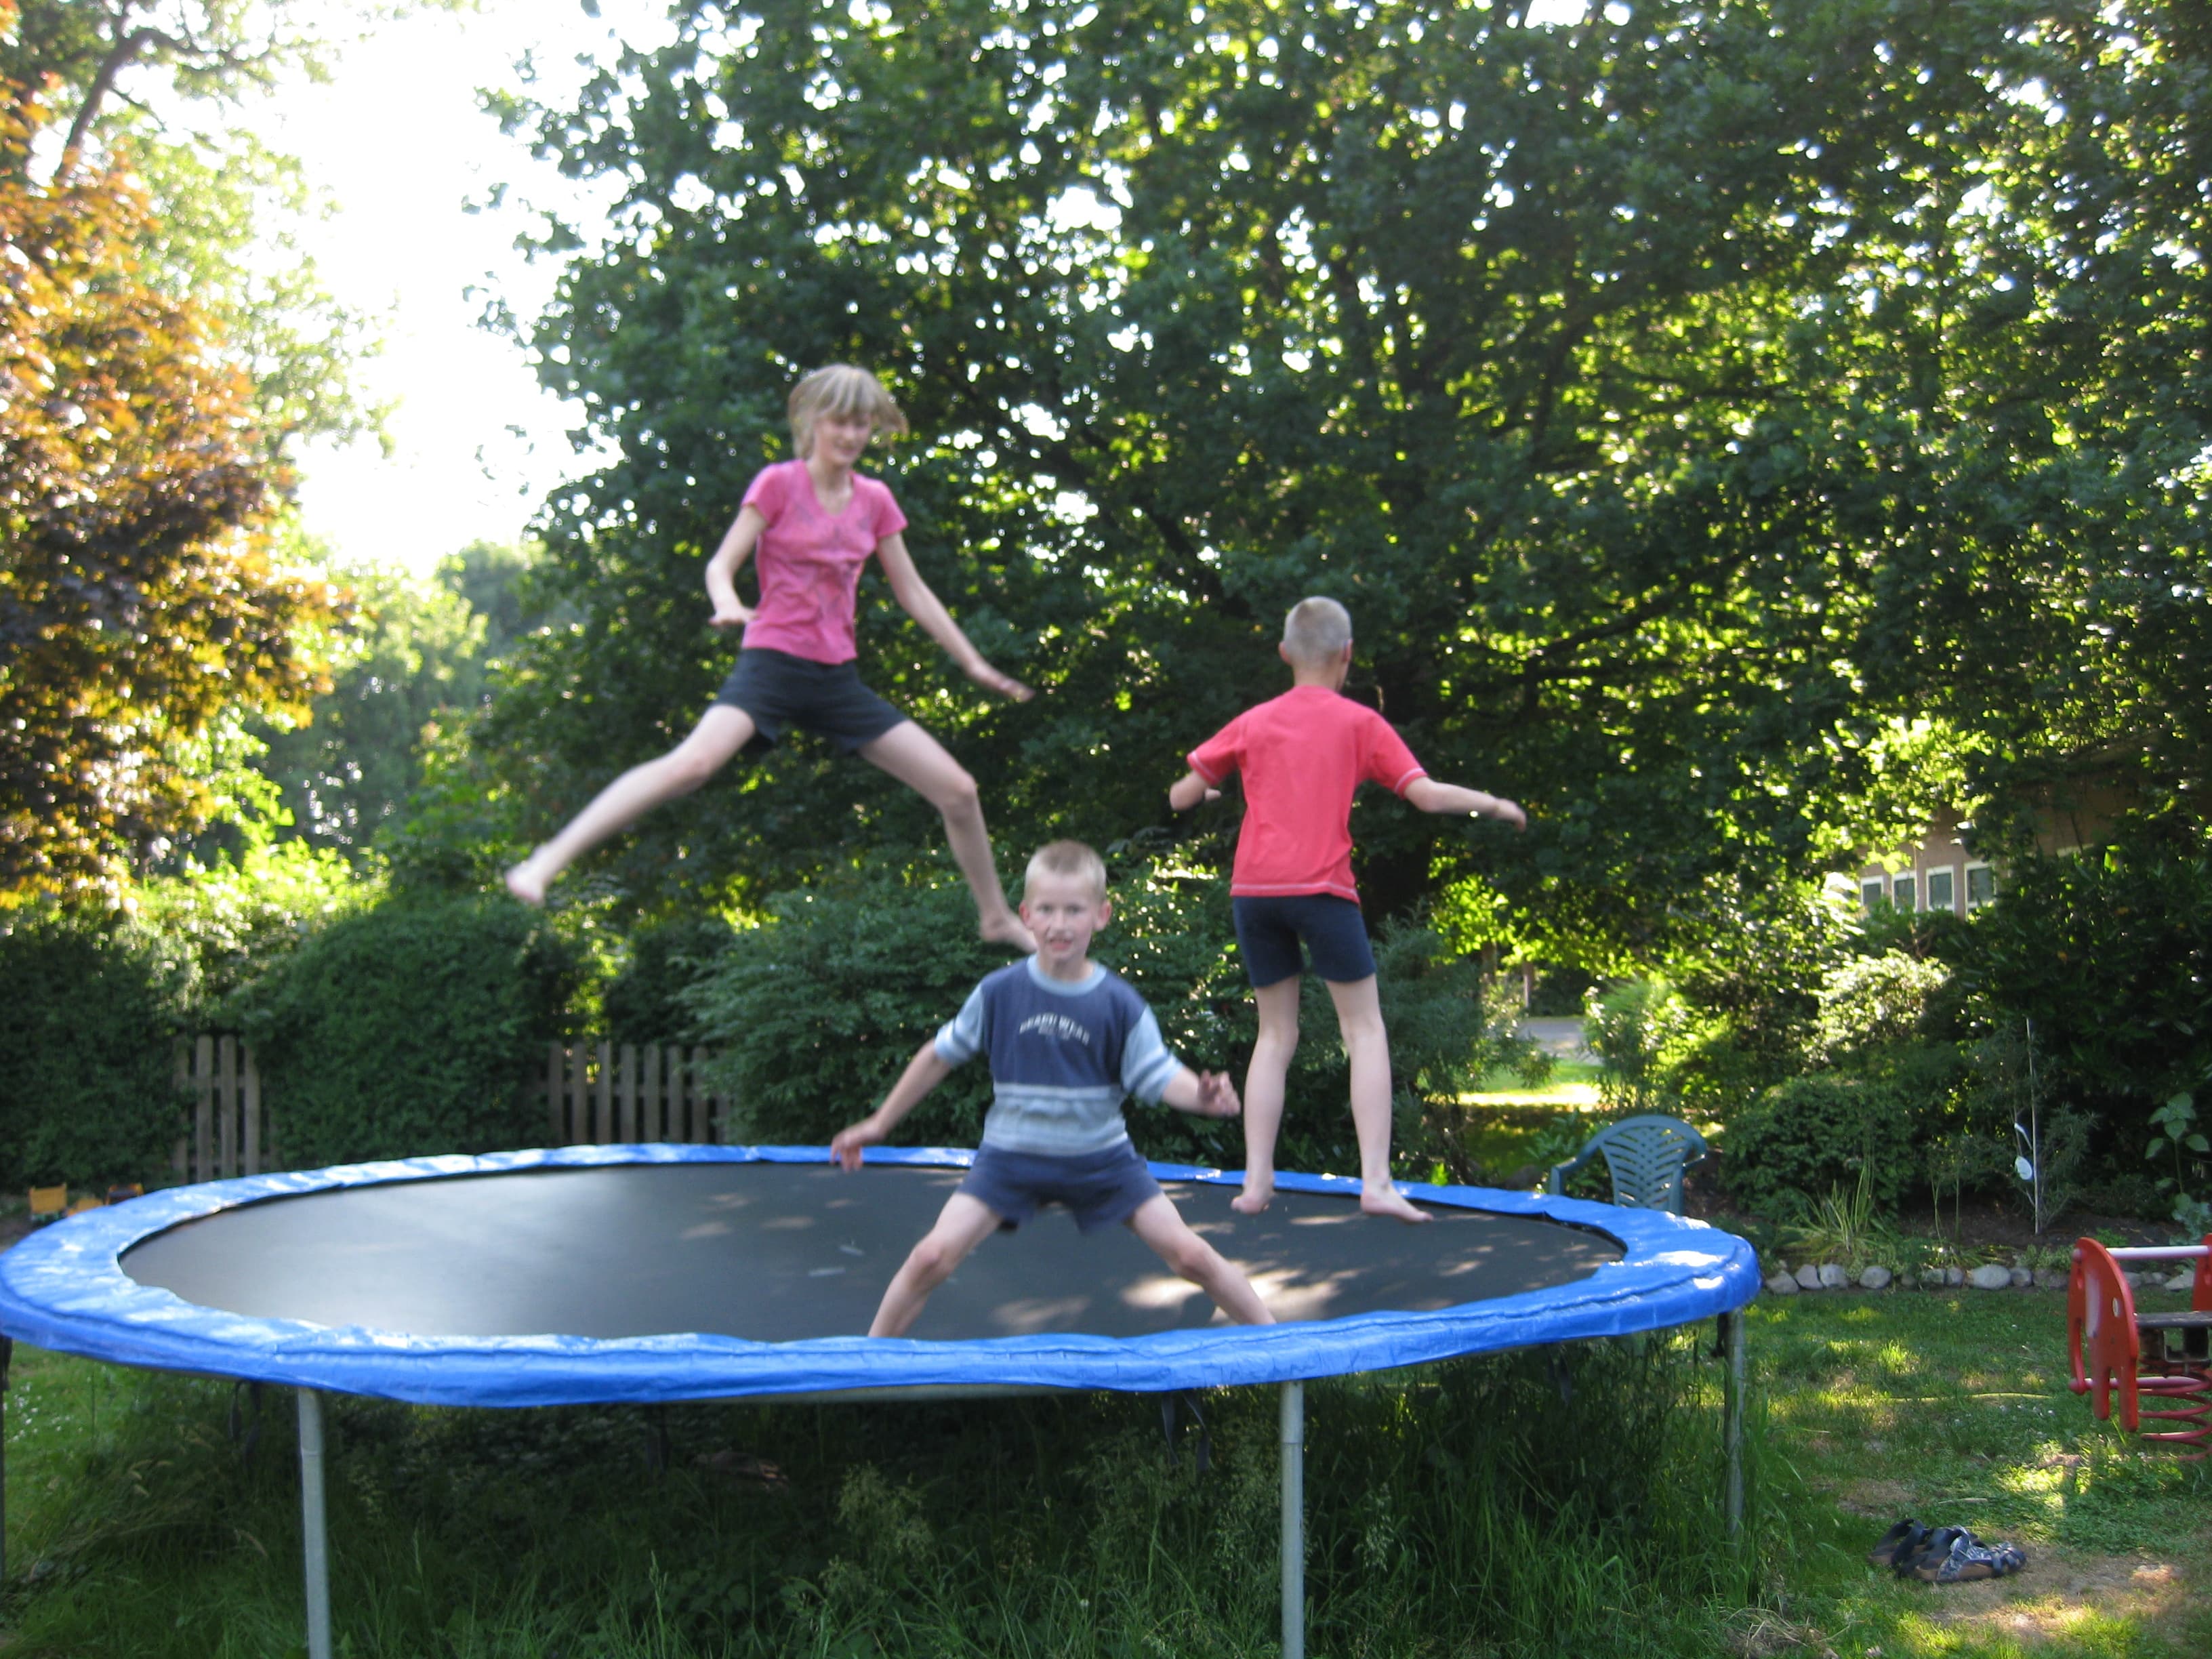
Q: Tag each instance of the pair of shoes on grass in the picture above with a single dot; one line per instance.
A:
(1943, 1555)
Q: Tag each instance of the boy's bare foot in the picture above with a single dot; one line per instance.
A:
(1255, 1197)
(1389, 1200)
(528, 882)
(1009, 930)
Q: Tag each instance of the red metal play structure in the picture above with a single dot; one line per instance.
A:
(2115, 1349)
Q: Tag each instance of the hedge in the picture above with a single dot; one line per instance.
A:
(87, 1096)
(411, 1028)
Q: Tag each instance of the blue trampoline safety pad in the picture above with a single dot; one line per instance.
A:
(525, 1279)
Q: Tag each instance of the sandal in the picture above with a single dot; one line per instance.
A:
(1955, 1556)
(1901, 1539)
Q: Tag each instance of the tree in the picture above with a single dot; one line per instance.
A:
(414, 654)
(140, 598)
(1679, 400)
(85, 54)
(130, 79)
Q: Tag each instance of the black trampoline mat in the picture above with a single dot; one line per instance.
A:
(783, 1252)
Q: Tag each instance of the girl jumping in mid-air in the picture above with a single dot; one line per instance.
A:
(813, 522)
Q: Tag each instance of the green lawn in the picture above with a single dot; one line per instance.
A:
(1549, 1503)
(1954, 1408)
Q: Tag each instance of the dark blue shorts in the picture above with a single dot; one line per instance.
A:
(1270, 930)
(1102, 1188)
(780, 690)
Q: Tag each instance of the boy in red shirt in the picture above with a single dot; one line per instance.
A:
(1302, 756)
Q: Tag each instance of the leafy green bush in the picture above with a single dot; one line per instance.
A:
(88, 1096)
(1866, 1001)
(644, 1001)
(1810, 1134)
(410, 1029)
(2108, 954)
(1631, 1028)
(814, 1014)
(217, 926)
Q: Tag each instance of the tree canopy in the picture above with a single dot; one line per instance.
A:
(141, 599)
(1733, 427)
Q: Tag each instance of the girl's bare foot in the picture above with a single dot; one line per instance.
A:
(528, 881)
(1009, 929)
(1259, 1193)
(1389, 1200)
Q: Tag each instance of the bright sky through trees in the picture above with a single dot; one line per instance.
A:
(398, 141)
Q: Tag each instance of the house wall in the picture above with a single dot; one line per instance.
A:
(1942, 873)
(1938, 874)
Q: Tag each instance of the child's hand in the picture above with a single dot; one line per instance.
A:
(847, 1145)
(1005, 684)
(1216, 1096)
(734, 613)
(1507, 812)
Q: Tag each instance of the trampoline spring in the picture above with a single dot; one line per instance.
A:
(7, 1356)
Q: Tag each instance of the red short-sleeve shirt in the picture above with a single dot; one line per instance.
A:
(809, 560)
(1303, 755)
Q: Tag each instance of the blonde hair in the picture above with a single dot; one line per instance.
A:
(844, 392)
(1067, 858)
(1316, 632)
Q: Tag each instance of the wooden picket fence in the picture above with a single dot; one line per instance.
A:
(597, 1093)
(229, 1133)
(593, 1093)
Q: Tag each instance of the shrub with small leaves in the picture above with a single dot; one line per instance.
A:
(87, 1097)
(411, 1028)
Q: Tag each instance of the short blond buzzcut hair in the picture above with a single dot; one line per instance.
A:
(1316, 632)
(846, 392)
(1067, 858)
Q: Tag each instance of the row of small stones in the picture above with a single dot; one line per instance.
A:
(1989, 1276)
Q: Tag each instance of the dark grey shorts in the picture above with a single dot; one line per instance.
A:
(1269, 932)
(1101, 1189)
(780, 690)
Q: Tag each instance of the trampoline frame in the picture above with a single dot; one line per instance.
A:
(82, 1302)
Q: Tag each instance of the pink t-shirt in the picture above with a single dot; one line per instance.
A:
(1302, 755)
(810, 562)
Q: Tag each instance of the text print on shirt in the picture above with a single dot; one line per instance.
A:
(1057, 1025)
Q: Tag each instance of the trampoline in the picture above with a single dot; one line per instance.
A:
(659, 1273)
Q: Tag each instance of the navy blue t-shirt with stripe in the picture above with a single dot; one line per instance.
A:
(1063, 1057)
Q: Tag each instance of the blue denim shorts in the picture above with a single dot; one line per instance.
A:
(1102, 1188)
(1270, 930)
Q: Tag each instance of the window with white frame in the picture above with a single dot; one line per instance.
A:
(1873, 892)
(1903, 893)
(1981, 885)
(1943, 888)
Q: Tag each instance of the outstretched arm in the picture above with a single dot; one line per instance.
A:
(923, 1073)
(1189, 790)
(1430, 796)
(738, 544)
(1202, 1094)
(914, 595)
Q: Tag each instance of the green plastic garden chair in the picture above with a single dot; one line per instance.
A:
(1645, 1155)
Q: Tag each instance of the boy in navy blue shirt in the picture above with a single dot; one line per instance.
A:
(1067, 1041)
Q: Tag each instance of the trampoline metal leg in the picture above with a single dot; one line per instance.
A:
(1732, 1426)
(7, 1354)
(313, 1529)
(1294, 1521)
